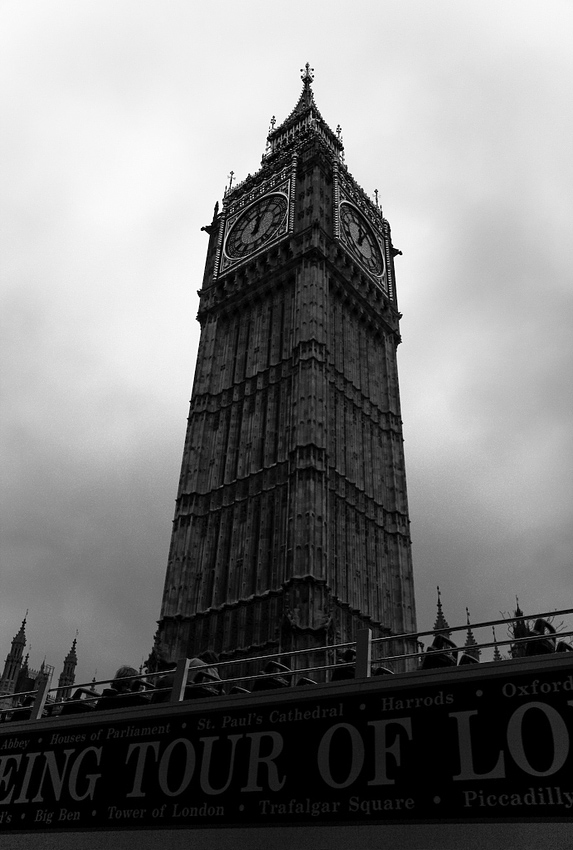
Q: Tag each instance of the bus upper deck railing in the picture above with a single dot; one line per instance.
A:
(529, 635)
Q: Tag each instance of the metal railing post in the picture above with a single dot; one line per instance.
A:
(40, 700)
(363, 653)
(180, 680)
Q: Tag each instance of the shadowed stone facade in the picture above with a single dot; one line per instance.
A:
(291, 526)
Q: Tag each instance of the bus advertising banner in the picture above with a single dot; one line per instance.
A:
(459, 748)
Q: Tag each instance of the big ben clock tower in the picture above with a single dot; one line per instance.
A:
(291, 524)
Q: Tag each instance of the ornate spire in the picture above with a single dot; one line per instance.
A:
(21, 635)
(307, 77)
(496, 652)
(67, 676)
(72, 654)
(471, 647)
(305, 118)
(520, 628)
(441, 624)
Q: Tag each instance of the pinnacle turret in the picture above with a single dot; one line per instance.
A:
(471, 646)
(72, 655)
(68, 674)
(496, 653)
(441, 625)
(20, 637)
(13, 664)
(304, 119)
(519, 629)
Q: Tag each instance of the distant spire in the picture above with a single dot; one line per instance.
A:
(441, 624)
(496, 652)
(21, 635)
(67, 676)
(72, 654)
(520, 628)
(13, 664)
(471, 647)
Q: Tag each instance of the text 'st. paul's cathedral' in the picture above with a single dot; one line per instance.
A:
(291, 526)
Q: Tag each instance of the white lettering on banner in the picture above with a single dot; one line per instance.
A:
(548, 795)
(357, 759)
(315, 808)
(91, 777)
(56, 778)
(390, 804)
(188, 761)
(255, 763)
(536, 687)
(255, 760)
(6, 770)
(515, 743)
(206, 763)
(23, 796)
(143, 749)
(382, 750)
(396, 704)
(558, 732)
(52, 775)
(466, 752)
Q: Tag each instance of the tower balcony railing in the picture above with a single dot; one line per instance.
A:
(432, 651)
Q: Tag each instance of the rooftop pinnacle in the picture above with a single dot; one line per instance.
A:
(307, 74)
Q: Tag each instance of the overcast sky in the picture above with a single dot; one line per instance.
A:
(121, 122)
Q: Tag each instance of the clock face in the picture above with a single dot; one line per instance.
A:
(257, 225)
(360, 239)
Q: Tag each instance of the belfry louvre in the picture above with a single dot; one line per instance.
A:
(291, 526)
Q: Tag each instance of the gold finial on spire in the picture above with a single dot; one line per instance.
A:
(307, 74)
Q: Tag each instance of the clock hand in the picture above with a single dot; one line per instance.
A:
(257, 223)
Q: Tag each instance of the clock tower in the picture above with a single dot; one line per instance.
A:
(291, 525)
